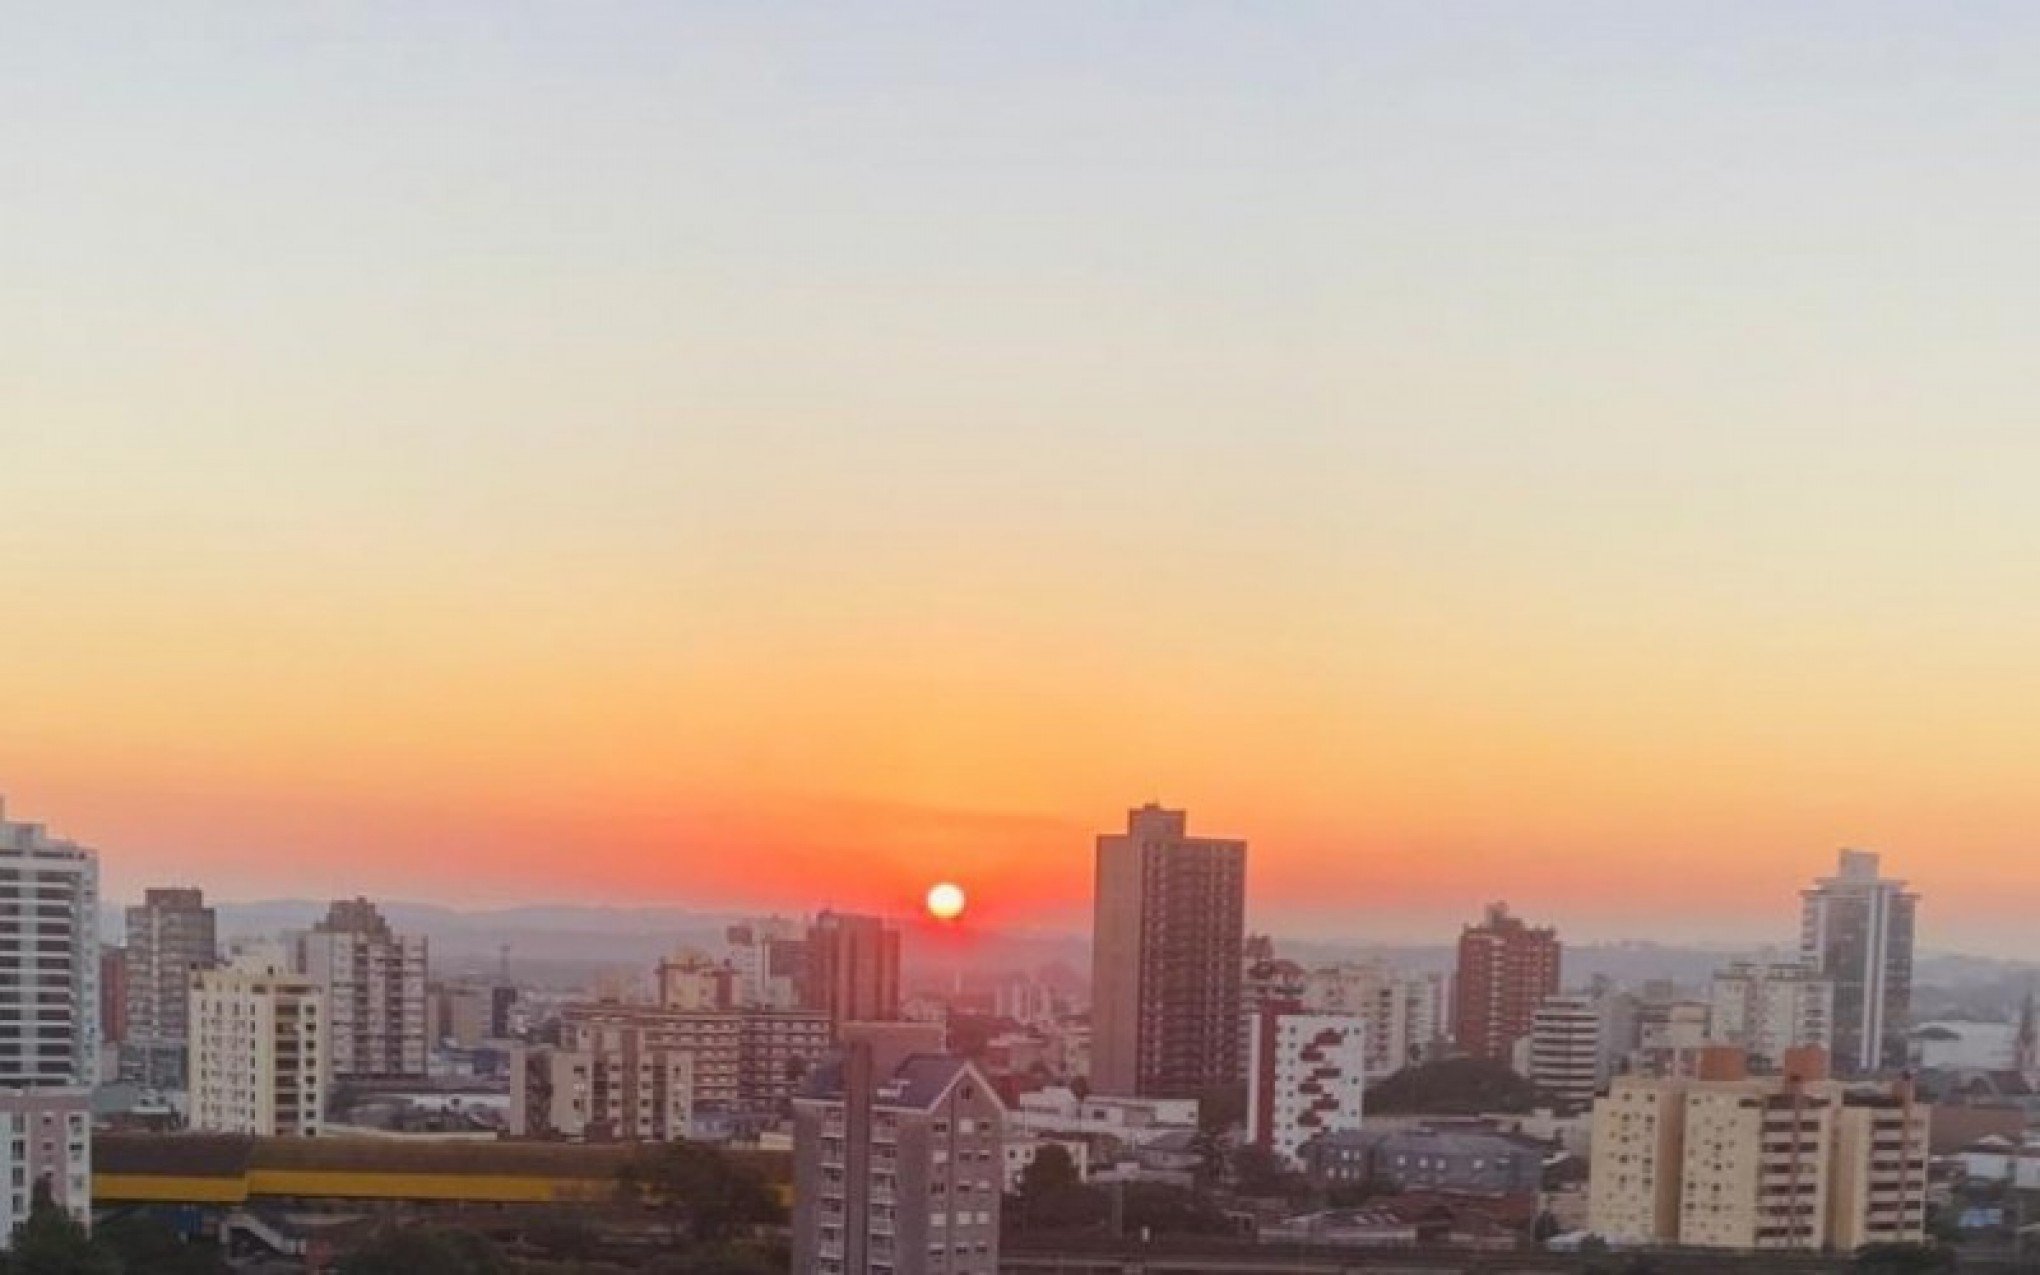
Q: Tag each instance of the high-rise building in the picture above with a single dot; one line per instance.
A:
(1404, 1010)
(1307, 1076)
(258, 1040)
(171, 936)
(49, 925)
(1769, 1163)
(853, 968)
(769, 955)
(112, 994)
(1856, 929)
(1166, 951)
(1564, 1050)
(1766, 1009)
(374, 981)
(1506, 970)
(897, 1169)
(689, 979)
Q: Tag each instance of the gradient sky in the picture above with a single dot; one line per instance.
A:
(771, 455)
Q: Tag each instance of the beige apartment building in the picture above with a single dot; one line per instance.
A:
(257, 1048)
(1751, 1163)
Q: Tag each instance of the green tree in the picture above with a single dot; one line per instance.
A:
(1452, 1087)
(52, 1242)
(1904, 1259)
(704, 1194)
(146, 1244)
(1260, 1173)
(1051, 1169)
(424, 1251)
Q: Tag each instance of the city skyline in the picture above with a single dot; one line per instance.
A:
(1549, 455)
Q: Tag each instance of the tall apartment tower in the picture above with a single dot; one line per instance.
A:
(257, 1049)
(1307, 1075)
(853, 968)
(1856, 929)
(49, 923)
(374, 982)
(1564, 1050)
(1166, 941)
(897, 1167)
(171, 936)
(1766, 1009)
(1506, 970)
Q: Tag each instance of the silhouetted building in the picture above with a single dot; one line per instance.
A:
(1856, 928)
(1506, 970)
(853, 968)
(1167, 945)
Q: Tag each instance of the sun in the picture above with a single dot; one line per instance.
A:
(945, 901)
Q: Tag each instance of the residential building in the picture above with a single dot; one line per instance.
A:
(49, 926)
(690, 979)
(1506, 970)
(112, 994)
(1766, 1009)
(1856, 930)
(853, 968)
(171, 936)
(1058, 1112)
(769, 955)
(1564, 1050)
(1765, 1163)
(1671, 1037)
(897, 1171)
(615, 1089)
(741, 1058)
(374, 982)
(258, 1040)
(1470, 1157)
(1308, 1077)
(1167, 940)
(1404, 1009)
(45, 1137)
(464, 1015)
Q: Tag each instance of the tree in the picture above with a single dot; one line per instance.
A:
(1904, 1259)
(145, 1244)
(1171, 1210)
(1452, 1087)
(52, 1242)
(1051, 1169)
(1260, 1173)
(704, 1194)
(1052, 1197)
(424, 1251)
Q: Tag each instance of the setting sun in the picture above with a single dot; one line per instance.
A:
(945, 901)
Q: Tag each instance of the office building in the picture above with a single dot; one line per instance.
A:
(171, 936)
(1766, 1009)
(1307, 1077)
(853, 968)
(897, 1169)
(1564, 1050)
(49, 921)
(258, 1040)
(1404, 1010)
(1856, 931)
(374, 983)
(1769, 1163)
(1166, 951)
(1506, 970)
(613, 1090)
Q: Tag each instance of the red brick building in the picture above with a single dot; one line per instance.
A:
(1506, 969)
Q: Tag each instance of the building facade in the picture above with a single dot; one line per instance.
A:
(769, 955)
(615, 1090)
(1467, 1157)
(49, 926)
(1404, 1010)
(1769, 1163)
(1167, 939)
(1856, 930)
(1564, 1050)
(742, 1059)
(853, 968)
(1766, 1009)
(171, 937)
(258, 1037)
(45, 1138)
(1307, 1077)
(1506, 970)
(898, 1170)
(374, 984)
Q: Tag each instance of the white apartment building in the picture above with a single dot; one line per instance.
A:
(1766, 1009)
(1307, 1076)
(49, 932)
(1757, 1164)
(1404, 1011)
(258, 1040)
(374, 981)
(610, 1094)
(1564, 1049)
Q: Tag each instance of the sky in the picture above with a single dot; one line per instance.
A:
(782, 455)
